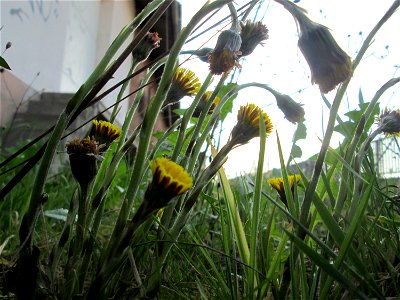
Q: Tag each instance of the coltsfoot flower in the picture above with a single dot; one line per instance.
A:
(248, 126)
(150, 42)
(277, 184)
(252, 34)
(105, 132)
(328, 63)
(169, 180)
(184, 83)
(292, 110)
(204, 101)
(225, 57)
(82, 158)
(389, 122)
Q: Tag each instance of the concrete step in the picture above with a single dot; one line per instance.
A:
(30, 120)
(49, 103)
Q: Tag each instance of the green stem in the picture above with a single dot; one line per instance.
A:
(234, 16)
(122, 90)
(188, 114)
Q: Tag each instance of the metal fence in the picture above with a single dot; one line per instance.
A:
(387, 157)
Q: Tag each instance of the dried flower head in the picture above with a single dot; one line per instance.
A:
(85, 146)
(105, 132)
(277, 184)
(292, 110)
(204, 101)
(82, 158)
(252, 34)
(248, 126)
(224, 57)
(184, 83)
(389, 122)
(150, 41)
(328, 63)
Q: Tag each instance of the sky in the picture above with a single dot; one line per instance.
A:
(280, 64)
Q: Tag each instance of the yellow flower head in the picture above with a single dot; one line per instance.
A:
(204, 101)
(82, 158)
(248, 126)
(292, 110)
(105, 132)
(169, 178)
(184, 83)
(252, 34)
(224, 57)
(328, 63)
(389, 122)
(277, 184)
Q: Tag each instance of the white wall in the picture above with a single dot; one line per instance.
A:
(61, 40)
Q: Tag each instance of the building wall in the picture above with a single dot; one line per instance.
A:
(62, 41)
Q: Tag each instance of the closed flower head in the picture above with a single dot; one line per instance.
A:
(205, 101)
(82, 158)
(277, 184)
(224, 57)
(150, 41)
(105, 132)
(389, 122)
(252, 34)
(292, 110)
(184, 83)
(248, 126)
(328, 63)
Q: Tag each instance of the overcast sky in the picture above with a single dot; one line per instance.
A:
(281, 65)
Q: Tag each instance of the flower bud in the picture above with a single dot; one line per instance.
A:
(146, 45)
(277, 184)
(82, 158)
(224, 57)
(328, 63)
(292, 110)
(389, 122)
(252, 34)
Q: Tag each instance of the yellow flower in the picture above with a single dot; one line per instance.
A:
(224, 57)
(247, 126)
(252, 34)
(82, 159)
(184, 83)
(203, 102)
(169, 178)
(292, 110)
(277, 184)
(328, 63)
(389, 122)
(105, 132)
